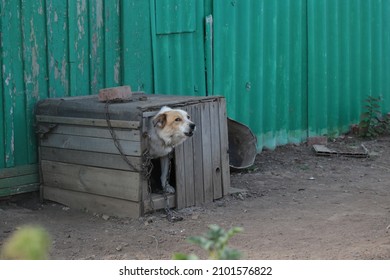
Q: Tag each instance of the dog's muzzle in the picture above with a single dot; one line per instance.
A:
(192, 129)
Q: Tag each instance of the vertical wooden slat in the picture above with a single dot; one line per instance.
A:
(225, 168)
(34, 50)
(144, 184)
(206, 152)
(180, 177)
(112, 43)
(189, 168)
(14, 95)
(216, 150)
(57, 48)
(198, 155)
(209, 54)
(96, 34)
(79, 47)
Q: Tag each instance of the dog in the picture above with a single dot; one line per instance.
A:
(168, 129)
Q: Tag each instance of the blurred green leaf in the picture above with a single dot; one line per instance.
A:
(27, 243)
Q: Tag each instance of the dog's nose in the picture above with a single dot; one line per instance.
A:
(192, 126)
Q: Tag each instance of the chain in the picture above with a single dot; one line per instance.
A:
(147, 168)
(115, 138)
(170, 214)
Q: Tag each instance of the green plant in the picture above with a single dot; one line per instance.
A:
(27, 243)
(215, 243)
(372, 122)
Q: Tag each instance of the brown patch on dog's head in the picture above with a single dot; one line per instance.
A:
(176, 120)
(160, 120)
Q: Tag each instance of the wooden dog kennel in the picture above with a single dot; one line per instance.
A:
(81, 167)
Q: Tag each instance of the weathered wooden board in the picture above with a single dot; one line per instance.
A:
(102, 145)
(198, 156)
(93, 203)
(17, 171)
(207, 153)
(216, 150)
(93, 180)
(188, 163)
(103, 160)
(18, 189)
(87, 121)
(158, 202)
(19, 180)
(98, 132)
(225, 168)
(180, 177)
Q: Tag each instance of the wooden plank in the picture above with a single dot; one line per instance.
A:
(35, 65)
(158, 202)
(87, 121)
(93, 203)
(93, 180)
(23, 189)
(98, 132)
(18, 171)
(79, 48)
(144, 182)
(216, 150)
(198, 155)
(18, 189)
(209, 51)
(189, 167)
(112, 43)
(225, 167)
(19, 181)
(135, 51)
(57, 47)
(180, 177)
(90, 158)
(16, 151)
(207, 153)
(129, 148)
(96, 41)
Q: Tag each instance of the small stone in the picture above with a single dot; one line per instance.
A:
(105, 217)
(195, 217)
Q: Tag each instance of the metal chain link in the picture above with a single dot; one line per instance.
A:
(170, 214)
(147, 167)
(115, 138)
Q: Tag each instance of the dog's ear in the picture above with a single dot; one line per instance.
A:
(160, 120)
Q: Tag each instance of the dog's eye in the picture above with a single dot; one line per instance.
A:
(188, 117)
(178, 120)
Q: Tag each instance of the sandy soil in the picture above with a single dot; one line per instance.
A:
(295, 205)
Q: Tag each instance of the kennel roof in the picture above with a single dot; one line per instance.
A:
(91, 107)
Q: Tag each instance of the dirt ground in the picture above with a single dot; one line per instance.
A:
(295, 205)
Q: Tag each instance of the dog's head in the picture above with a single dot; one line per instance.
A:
(173, 126)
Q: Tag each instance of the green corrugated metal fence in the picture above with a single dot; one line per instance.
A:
(297, 68)
(260, 65)
(349, 59)
(288, 68)
(178, 47)
(53, 48)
